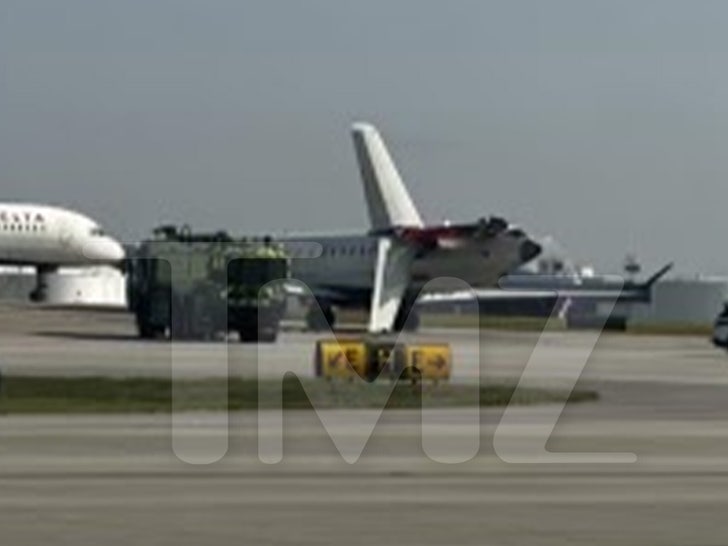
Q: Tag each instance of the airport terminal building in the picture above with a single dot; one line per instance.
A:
(682, 302)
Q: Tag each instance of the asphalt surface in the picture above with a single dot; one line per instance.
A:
(124, 479)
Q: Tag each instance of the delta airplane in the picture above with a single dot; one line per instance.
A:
(386, 268)
(48, 237)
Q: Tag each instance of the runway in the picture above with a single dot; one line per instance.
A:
(119, 480)
(364, 510)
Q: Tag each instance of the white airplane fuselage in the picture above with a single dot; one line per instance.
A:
(48, 236)
(339, 269)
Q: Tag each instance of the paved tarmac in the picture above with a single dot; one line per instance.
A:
(77, 343)
(122, 479)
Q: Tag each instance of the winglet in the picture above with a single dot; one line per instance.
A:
(657, 276)
(388, 201)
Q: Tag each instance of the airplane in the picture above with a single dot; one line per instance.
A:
(48, 237)
(386, 268)
(542, 295)
(566, 286)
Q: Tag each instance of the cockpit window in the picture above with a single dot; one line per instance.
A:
(97, 232)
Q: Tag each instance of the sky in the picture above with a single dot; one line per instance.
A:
(603, 124)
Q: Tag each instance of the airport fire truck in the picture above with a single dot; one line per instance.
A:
(720, 329)
(189, 285)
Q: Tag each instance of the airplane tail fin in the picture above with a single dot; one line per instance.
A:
(388, 201)
(649, 283)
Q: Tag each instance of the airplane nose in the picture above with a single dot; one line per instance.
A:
(104, 250)
(529, 250)
(116, 251)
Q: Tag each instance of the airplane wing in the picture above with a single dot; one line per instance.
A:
(391, 279)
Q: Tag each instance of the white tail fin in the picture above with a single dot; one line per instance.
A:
(389, 203)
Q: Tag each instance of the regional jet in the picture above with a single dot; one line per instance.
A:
(48, 237)
(386, 268)
(544, 295)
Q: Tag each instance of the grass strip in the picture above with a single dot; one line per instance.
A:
(63, 395)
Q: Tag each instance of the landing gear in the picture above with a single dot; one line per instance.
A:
(40, 292)
(407, 319)
(320, 320)
(148, 331)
